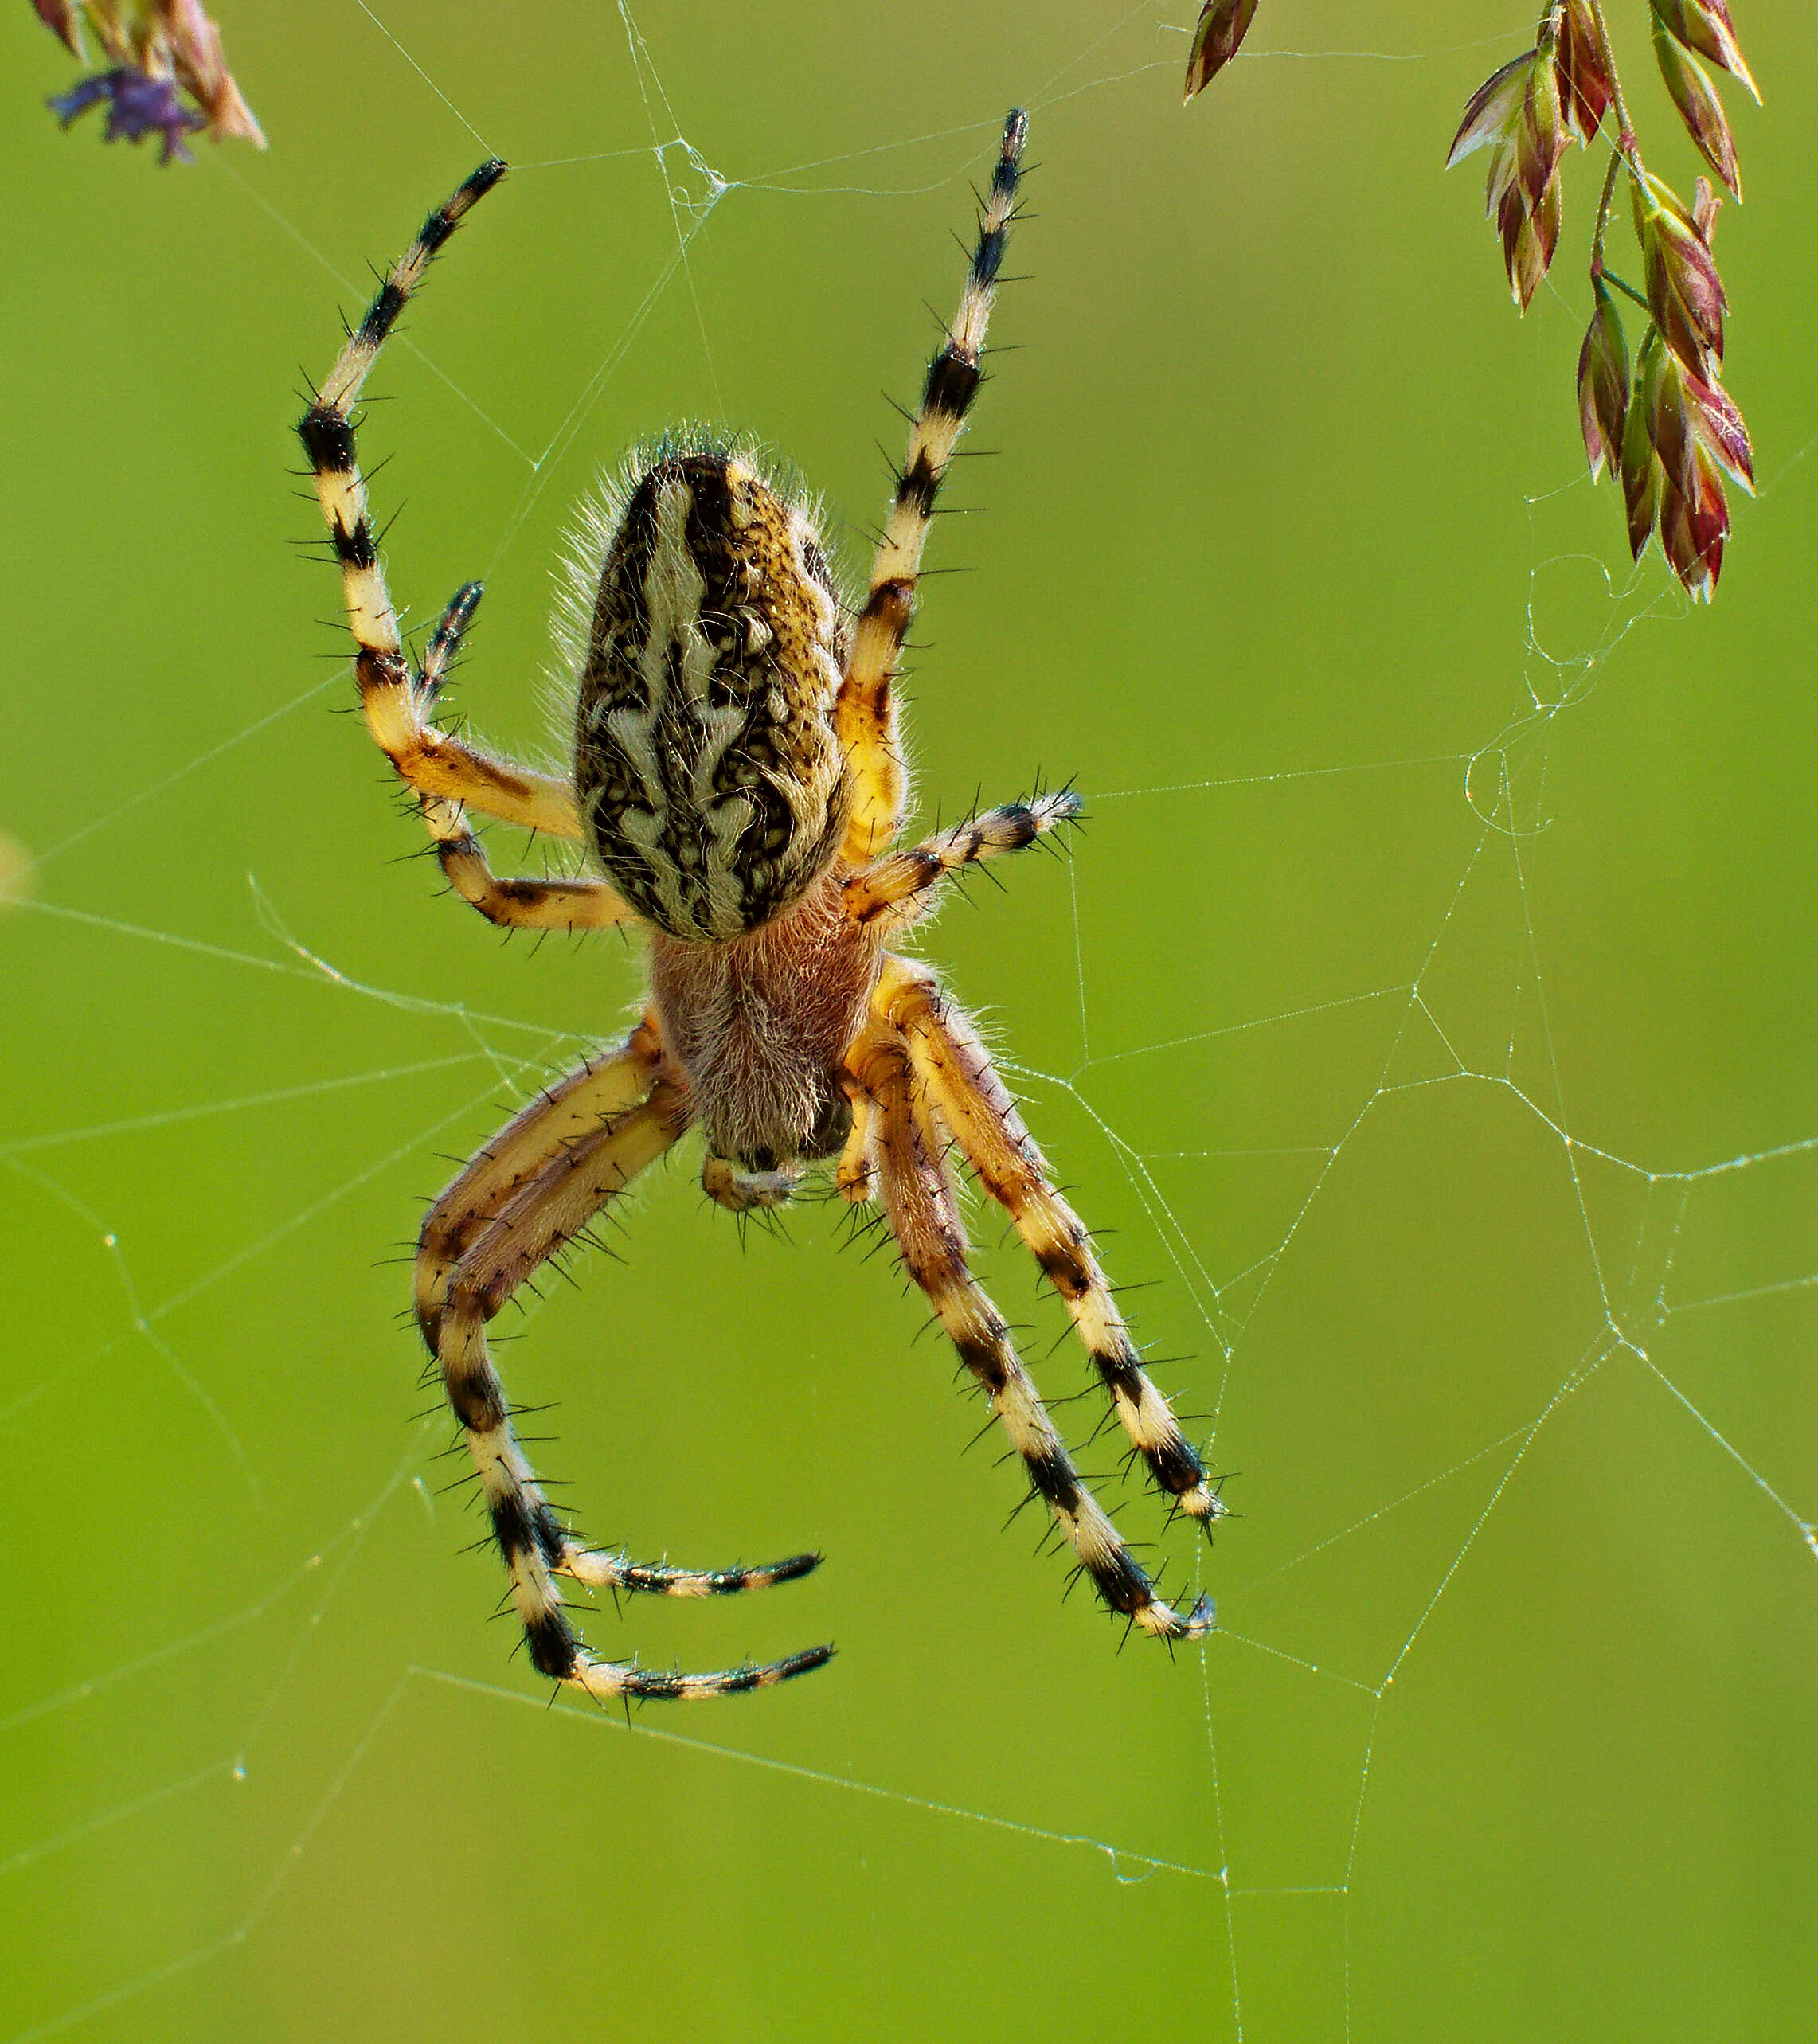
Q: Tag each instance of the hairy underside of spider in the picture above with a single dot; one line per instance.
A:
(738, 779)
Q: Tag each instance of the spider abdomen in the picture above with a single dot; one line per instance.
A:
(706, 761)
(761, 1025)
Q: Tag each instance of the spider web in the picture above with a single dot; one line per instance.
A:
(1430, 1048)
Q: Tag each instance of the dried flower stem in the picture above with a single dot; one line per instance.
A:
(158, 50)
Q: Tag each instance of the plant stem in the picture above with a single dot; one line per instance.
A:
(1625, 132)
(1603, 212)
(1627, 290)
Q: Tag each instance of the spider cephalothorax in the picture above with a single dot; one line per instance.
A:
(738, 775)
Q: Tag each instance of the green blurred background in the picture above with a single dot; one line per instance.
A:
(1398, 1082)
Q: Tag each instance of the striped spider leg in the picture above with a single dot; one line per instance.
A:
(447, 775)
(938, 1087)
(916, 1186)
(967, 1098)
(527, 1194)
(865, 713)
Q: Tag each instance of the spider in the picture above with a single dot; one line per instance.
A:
(738, 775)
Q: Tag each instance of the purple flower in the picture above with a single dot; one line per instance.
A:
(138, 105)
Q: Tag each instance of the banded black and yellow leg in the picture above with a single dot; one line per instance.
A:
(445, 642)
(568, 1114)
(972, 1101)
(865, 713)
(896, 890)
(615, 1571)
(519, 1203)
(431, 761)
(920, 1201)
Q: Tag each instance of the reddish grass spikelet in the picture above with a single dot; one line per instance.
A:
(1586, 87)
(1702, 111)
(202, 70)
(1694, 522)
(1720, 428)
(1603, 383)
(1683, 435)
(60, 17)
(1490, 112)
(1218, 35)
(1704, 206)
(1665, 428)
(1705, 26)
(1516, 115)
(1529, 242)
(1685, 293)
(1640, 472)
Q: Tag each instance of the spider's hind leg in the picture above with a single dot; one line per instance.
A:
(524, 1197)
(953, 1067)
(922, 1208)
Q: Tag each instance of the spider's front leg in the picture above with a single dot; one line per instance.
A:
(430, 761)
(865, 713)
(521, 1201)
(921, 1207)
